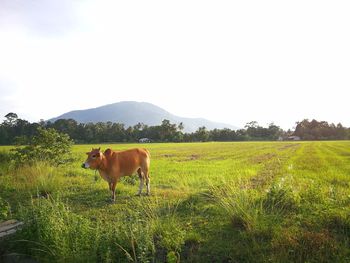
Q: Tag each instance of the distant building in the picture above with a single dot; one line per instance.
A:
(145, 140)
(293, 138)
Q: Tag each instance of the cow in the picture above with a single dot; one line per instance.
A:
(112, 165)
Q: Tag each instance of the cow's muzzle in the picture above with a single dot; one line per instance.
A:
(85, 165)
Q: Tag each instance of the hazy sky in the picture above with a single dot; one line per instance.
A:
(228, 61)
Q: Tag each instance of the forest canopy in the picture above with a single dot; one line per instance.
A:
(14, 130)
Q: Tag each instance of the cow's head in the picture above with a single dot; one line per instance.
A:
(93, 160)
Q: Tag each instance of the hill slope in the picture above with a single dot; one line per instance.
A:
(131, 113)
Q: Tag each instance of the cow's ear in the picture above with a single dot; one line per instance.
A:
(108, 152)
(87, 153)
(99, 148)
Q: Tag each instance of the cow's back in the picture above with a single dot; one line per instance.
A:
(127, 162)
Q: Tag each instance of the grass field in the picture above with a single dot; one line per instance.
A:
(210, 202)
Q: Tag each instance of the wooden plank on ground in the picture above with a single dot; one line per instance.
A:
(9, 227)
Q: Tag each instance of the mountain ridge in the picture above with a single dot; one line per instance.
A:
(131, 112)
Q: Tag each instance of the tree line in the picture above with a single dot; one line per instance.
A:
(14, 130)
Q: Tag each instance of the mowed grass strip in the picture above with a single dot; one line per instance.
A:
(210, 202)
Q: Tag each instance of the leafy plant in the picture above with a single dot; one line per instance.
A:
(48, 145)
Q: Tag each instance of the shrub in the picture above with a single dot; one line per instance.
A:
(48, 145)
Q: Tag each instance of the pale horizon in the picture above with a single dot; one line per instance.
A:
(229, 62)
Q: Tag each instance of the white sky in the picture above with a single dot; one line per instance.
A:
(227, 61)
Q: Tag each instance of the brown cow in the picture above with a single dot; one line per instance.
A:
(114, 164)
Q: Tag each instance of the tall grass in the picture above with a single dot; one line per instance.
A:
(39, 179)
(54, 233)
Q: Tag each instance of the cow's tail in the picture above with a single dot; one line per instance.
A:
(147, 151)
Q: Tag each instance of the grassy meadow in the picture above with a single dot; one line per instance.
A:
(210, 202)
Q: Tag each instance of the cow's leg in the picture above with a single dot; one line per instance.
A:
(110, 188)
(113, 186)
(148, 180)
(148, 184)
(139, 172)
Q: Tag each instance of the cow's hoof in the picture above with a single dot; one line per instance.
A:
(138, 194)
(148, 194)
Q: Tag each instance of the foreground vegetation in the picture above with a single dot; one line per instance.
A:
(210, 202)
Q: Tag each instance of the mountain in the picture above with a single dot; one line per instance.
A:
(132, 112)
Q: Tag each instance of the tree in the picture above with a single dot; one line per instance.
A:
(222, 135)
(11, 118)
(3, 135)
(252, 129)
(168, 131)
(48, 146)
(274, 132)
(201, 134)
(181, 126)
(252, 125)
(319, 130)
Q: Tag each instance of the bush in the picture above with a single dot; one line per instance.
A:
(48, 145)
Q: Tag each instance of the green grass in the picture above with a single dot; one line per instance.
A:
(210, 202)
